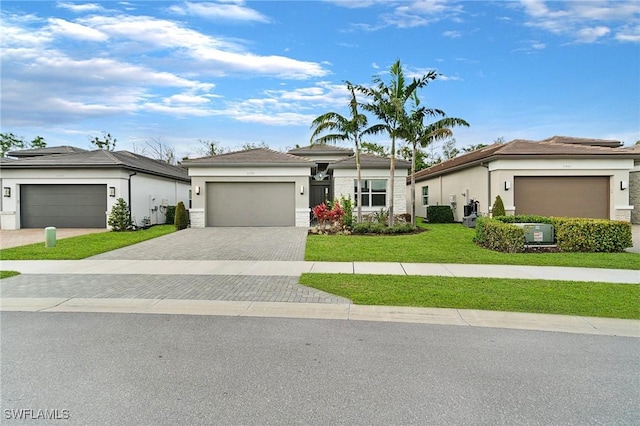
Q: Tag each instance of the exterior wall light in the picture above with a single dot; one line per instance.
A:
(623, 185)
(197, 190)
(112, 191)
(301, 189)
(507, 185)
(6, 191)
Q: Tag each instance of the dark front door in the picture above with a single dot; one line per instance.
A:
(320, 193)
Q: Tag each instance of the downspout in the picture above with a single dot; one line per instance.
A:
(129, 183)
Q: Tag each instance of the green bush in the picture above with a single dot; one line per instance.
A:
(499, 236)
(379, 228)
(439, 214)
(120, 217)
(498, 207)
(572, 234)
(182, 218)
(170, 215)
(347, 208)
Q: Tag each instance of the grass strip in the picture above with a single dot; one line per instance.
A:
(448, 243)
(84, 246)
(495, 294)
(8, 274)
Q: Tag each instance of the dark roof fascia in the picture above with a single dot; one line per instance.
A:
(546, 156)
(13, 165)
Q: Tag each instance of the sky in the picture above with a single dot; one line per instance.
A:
(259, 72)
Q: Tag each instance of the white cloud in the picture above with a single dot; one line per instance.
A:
(80, 8)
(232, 11)
(77, 31)
(585, 22)
(452, 34)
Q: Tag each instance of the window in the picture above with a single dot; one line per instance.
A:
(374, 192)
(425, 195)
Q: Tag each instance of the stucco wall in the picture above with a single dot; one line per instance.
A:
(484, 187)
(144, 187)
(343, 185)
(201, 175)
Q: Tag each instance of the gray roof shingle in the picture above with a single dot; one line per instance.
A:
(369, 161)
(101, 159)
(49, 150)
(520, 148)
(258, 157)
(321, 149)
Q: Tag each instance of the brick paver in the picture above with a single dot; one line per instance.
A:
(193, 287)
(219, 244)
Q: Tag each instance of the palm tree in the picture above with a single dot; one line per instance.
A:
(345, 129)
(388, 103)
(417, 133)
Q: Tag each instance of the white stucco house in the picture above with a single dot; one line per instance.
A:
(262, 187)
(559, 176)
(70, 187)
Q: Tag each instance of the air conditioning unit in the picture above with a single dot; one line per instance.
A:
(537, 233)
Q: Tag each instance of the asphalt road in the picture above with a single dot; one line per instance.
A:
(171, 369)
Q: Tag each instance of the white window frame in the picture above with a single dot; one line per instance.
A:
(425, 195)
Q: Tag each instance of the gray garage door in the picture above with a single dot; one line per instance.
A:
(571, 196)
(251, 204)
(63, 206)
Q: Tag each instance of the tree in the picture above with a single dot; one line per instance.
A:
(374, 148)
(388, 103)
(345, 129)
(120, 217)
(181, 219)
(160, 151)
(498, 207)
(9, 141)
(449, 149)
(209, 148)
(417, 134)
(473, 147)
(251, 145)
(107, 142)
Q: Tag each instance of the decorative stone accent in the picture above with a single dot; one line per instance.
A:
(303, 217)
(634, 196)
(196, 216)
(624, 215)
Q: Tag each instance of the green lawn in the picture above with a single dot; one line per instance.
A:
(513, 295)
(7, 274)
(84, 246)
(448, 243)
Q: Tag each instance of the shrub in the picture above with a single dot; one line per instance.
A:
(380, 228)
(170, 215)
(498, 207)
(439, 214)
(572, 234)
(181, 217)
(499, 236)
(347, 207)
(120, 217)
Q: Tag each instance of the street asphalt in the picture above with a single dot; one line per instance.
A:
(254, 272)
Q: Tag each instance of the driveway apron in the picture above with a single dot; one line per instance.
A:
(246, 244)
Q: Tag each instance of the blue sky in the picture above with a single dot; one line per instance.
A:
(250, 72)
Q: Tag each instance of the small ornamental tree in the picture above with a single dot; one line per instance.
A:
(498, 208)
(119, 217)
(181, 218)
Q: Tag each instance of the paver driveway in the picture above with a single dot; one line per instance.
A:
(286, 244)
(247, 244)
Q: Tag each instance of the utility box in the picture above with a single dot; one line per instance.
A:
(537, 233)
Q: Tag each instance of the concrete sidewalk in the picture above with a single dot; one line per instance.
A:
(295, 268)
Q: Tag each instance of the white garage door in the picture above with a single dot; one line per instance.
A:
(63, 206)
(250, 204)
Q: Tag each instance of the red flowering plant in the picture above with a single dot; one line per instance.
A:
(329, 216)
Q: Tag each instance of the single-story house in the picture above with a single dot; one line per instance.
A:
(263, 187)
(70, 187)
(559, 176)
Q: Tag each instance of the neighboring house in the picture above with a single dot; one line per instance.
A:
(78, 188)
(262, 187)
(634, 188)
(559, 176)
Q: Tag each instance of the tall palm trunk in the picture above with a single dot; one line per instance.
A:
(359, 182)
(392, 172)
(413, 185)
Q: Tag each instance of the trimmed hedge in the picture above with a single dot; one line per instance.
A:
(379, 228)
(181, 219)
(572, 234)
(171, 215)
(439, 214)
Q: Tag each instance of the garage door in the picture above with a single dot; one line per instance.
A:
(251, 204)
(571, 196)
(63, 206)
